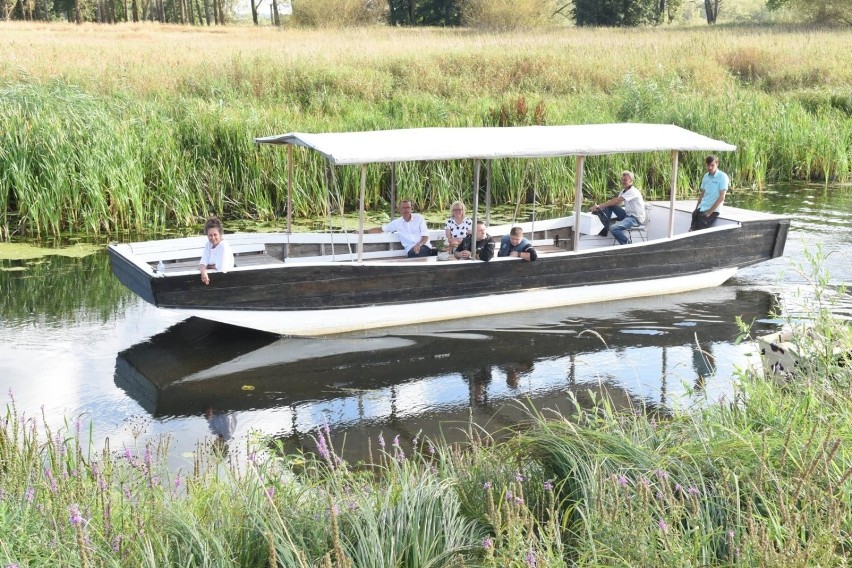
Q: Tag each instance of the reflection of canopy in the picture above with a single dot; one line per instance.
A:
(421, 144)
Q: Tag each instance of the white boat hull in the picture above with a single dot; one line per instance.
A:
(336, 321)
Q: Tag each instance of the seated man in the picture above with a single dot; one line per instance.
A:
(484, 246)
(714, 185)
(514, 244)
(632, 213)
(412, 230)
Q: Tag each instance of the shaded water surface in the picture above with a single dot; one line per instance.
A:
(75, 344)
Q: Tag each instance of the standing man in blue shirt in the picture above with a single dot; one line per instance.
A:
(714, 185)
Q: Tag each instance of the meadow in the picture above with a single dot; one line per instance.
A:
(763, 478)
(143, 128)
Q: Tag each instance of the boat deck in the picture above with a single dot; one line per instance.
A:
(240, 260)
(250, 250)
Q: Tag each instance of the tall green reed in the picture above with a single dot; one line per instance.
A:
(71, 160)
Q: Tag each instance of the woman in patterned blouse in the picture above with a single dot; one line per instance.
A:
(458, 226)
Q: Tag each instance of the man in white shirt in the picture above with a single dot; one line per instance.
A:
(628, 208)
(412, 230)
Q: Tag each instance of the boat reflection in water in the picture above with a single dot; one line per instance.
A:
(432, 379)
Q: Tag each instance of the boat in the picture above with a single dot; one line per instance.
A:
(322, 283)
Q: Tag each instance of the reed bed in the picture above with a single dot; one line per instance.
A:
(146, 127)
(761, 479)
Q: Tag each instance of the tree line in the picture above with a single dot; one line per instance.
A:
(440, 13)
(187, 12)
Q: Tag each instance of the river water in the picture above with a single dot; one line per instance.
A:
(76, 347)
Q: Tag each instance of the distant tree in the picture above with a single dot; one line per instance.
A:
(711, 10)
(615, 13)
(817, 11)
(424, 13)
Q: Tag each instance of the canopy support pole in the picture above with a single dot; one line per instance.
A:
(289, 196)
(361, 213)
(289, 188)
(477, 163)
(535, 199)
(488, 193)
(578, 199)
(393, 190)
(673, 193)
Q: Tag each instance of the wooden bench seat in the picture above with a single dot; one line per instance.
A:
(240, 260)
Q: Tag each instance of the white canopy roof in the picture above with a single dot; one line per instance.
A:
(423, 144)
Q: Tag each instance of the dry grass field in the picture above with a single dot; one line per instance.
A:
(153, 60)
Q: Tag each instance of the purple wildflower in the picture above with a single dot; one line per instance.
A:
(397, 450)
(11, 395)
(622, 480)
(13, 565)
(693, 490)
(116, 543)
(431, 449)
(486, 485)
(30, 494)
(54, 487)
(644, 482)
(414, 442)
(177, 481)
(519, 501)
(322, 447)
(381, 441)
(487, 543)
(270, 492)
(678, 489)
(74, 511)
(662, 475)
(353, 505)
(663, 526)
(519, 478)
(509, 495)
(531, 559)
(548, 485)
(127, 455)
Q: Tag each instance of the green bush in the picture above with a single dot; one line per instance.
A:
(334, 13)
(507, 15)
